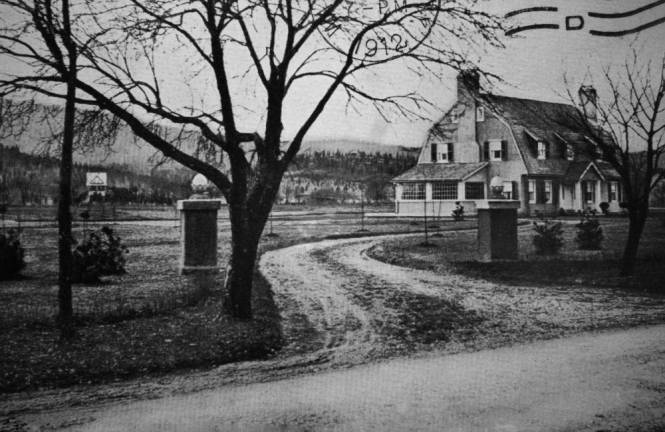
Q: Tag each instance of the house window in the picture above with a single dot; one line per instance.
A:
(542, 150)
(474, 190)
(532, 191)
(570, 152)
(445, 190)
(548, 191)
(480, 114)
(508, 190)
(454, 118)
(613, 195)
(590, 191)
(496, 150)
(413, 191)
(442, 152)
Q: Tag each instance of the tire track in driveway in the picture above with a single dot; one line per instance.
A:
(305, 288)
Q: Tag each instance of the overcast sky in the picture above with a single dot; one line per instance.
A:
(533, 63)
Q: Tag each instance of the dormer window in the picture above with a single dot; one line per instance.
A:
(496, 150)
(570, 152)
(454, 118)
(480, 114)
(542, 150)
(442, 152)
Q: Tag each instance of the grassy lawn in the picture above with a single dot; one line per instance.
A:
(457, 252)
(150, 320)
(535, 297)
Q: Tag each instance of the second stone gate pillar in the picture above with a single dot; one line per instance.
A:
(497, 229)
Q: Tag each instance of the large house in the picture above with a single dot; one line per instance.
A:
(537, 151)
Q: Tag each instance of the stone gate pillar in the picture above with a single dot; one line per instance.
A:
(497, 229)
(198, 235)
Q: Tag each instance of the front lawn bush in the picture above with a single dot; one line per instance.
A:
(100, 254)
(549, 237)
(589, 234)
(604, 207)
(11, 255)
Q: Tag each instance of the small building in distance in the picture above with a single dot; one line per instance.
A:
(538, 149)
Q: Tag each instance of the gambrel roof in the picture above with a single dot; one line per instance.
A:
(553, 123)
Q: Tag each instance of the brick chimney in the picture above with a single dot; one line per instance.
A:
(468, 80)
(589, 101)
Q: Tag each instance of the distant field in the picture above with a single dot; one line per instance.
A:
(109, 212)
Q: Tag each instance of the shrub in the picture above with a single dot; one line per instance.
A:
(561, 212)
(549, 237)
(100, 254)
(11, 255)
(604, 207)
(589, 234)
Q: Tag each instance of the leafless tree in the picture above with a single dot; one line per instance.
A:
(628, 131)
(270, 46)
(53, 24)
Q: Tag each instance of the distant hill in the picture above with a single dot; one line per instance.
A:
(33, 179)
(342, 166)
(352, 146)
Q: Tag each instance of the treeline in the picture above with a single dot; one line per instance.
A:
(337, 177)
(27, 179)
(354, 166)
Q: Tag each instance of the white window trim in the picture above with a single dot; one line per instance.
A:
(542, 150)
(455, 183)
(442, 156)
(508, 189)
(616, 192)
(548, 190)
(492, 144)
(531, 190)
(413, 199)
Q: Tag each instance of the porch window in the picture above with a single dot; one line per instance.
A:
(508, 190)
(613, 195)
(532, 191)
(444, 190)
(413, 191)
(590, 191)
(474, 190)
(548, 191)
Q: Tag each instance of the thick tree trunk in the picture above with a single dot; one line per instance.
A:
(637, 218)
(247, 224)
(65, 312)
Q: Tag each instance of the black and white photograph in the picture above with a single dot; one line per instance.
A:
(332, 215)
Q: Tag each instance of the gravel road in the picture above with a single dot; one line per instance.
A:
(593, 382)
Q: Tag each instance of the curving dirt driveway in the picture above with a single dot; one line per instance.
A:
(353, 301)
(353, 309)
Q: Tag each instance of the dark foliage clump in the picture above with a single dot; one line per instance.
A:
(100, 254)
(11, 255)
(589, 234)
(604, 207)
(549, 237)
